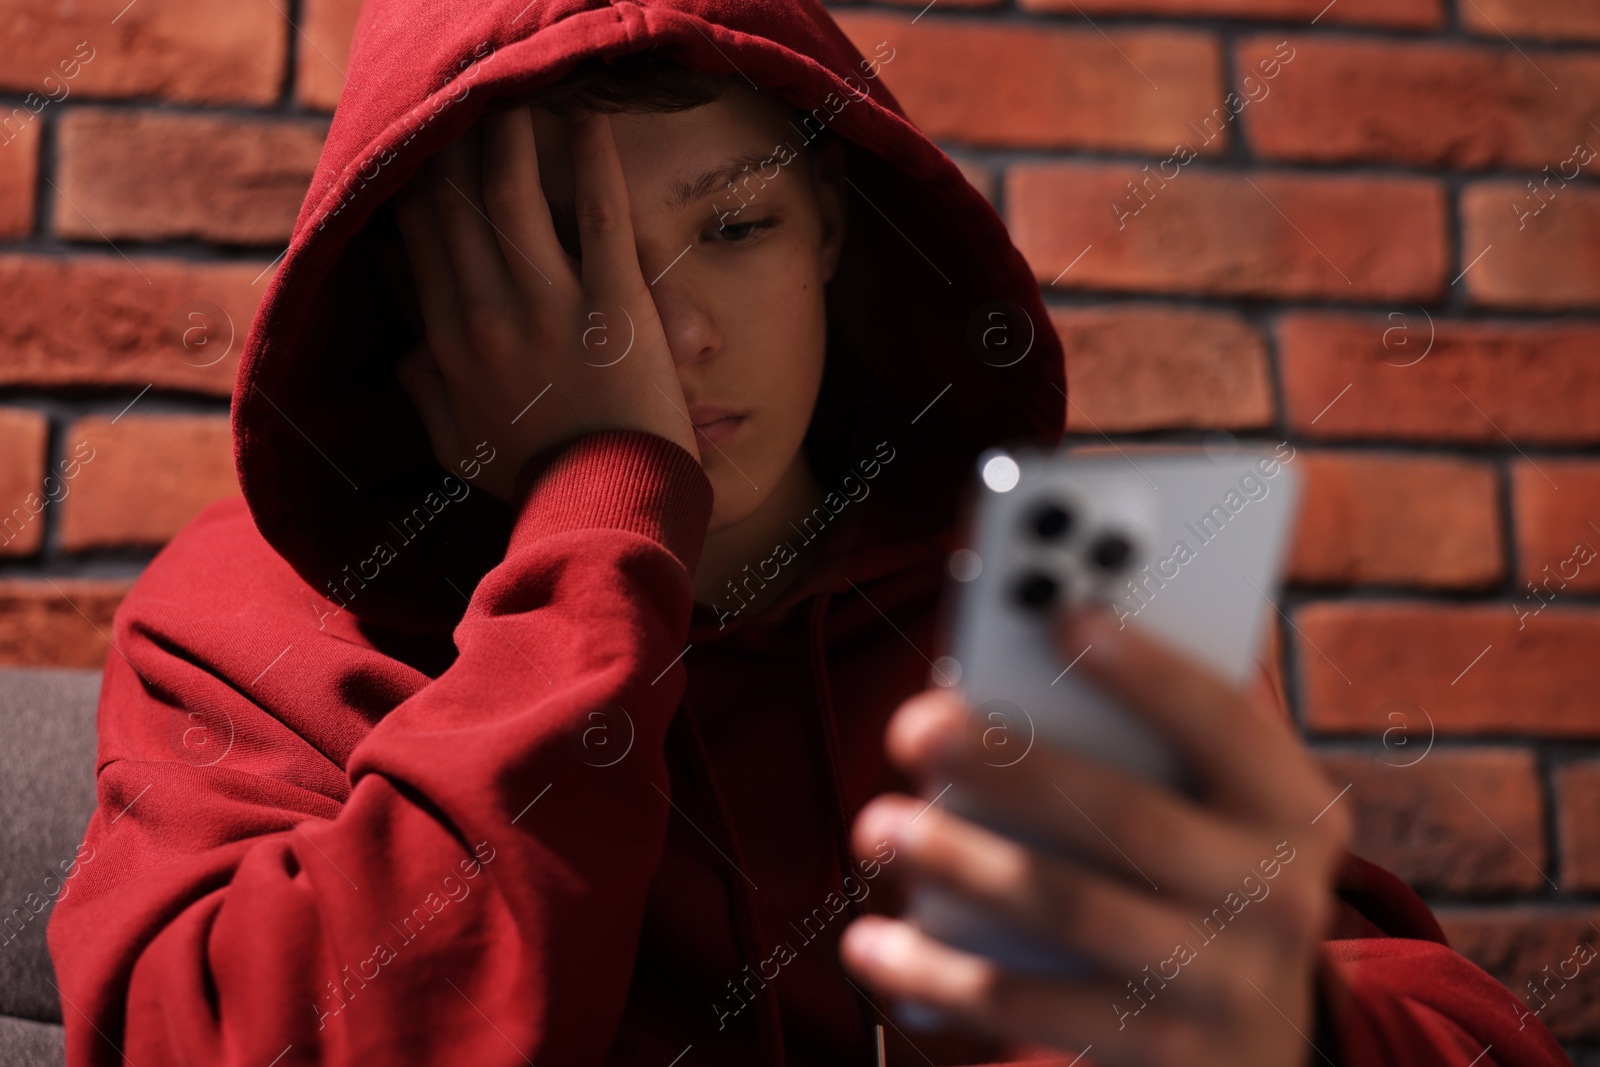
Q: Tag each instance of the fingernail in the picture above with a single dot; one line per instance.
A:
(942, 730)
(887, 823)
(875, 940)
(580, 115)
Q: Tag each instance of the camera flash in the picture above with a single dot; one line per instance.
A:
(1001, 474)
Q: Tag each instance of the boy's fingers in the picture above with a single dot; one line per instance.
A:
(516, 203)
(898, 960)
(1086, 913)
(419, 375)
(482, 280)
(1247, 761)
(611, 275)
(430, 264)
(1137, 829)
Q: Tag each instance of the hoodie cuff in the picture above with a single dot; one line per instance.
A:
(620, 480)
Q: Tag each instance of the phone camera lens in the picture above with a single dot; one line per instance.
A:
(1111, 551)
(1052, 522)
(1035, 591)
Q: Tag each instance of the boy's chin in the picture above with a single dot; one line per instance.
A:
(752, 479)
(726, 518)
(733, 500)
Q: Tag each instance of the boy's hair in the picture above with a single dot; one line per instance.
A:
(645, 81)
(638, 81)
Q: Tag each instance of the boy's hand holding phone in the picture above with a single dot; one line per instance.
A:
(1244, 999)
(1144, 864)
(512, 320)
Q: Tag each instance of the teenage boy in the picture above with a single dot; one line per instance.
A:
(612, 761)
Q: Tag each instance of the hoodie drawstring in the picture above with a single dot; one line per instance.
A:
(828, 726)
(769, 1021)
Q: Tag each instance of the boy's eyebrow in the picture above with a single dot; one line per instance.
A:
(685, 192)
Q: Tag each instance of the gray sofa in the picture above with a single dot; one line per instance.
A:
(47, 748)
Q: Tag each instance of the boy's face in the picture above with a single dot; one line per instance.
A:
(737, 274)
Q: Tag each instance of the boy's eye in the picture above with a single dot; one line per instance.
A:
(739, 232)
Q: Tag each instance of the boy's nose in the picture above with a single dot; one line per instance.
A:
(691, 332)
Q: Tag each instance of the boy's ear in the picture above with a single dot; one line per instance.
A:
(827, 180)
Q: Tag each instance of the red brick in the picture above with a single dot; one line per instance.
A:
(1146, 367)
(1464, 823)
(1536, 681)
(1396, 520)
(105, 321)
(1532, 382)
(1348, 100)
(1412, 14)
(1549, 261)
(155, 175)
(1557, 507)
(19, 172)
(1573, 20)
(189, 50)
(1578, 825)
(1043, 87)
(1230, 233)
(1518, 944)
(326, 27)
(146, 476)
(58, 622)
(24, 436)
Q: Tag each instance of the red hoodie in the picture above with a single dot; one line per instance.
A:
(390, 772)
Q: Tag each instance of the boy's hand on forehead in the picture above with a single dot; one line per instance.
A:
(525, 345)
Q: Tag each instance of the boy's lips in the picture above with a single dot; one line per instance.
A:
(715, 423)
(701, 414)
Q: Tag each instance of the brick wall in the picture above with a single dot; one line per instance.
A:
(1384, 246)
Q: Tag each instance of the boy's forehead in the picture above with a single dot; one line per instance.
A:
(678, 158)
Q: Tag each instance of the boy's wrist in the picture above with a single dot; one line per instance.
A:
(617, 479)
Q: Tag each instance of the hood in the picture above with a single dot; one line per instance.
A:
(933, 314)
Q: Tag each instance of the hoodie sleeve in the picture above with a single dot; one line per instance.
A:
(1403, 1002)
(478, 894)
(1398, 1002)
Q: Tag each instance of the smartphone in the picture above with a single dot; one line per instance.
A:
(1186, 546)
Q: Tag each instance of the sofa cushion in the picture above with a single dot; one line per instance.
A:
(25, 1043)
(47, 717)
